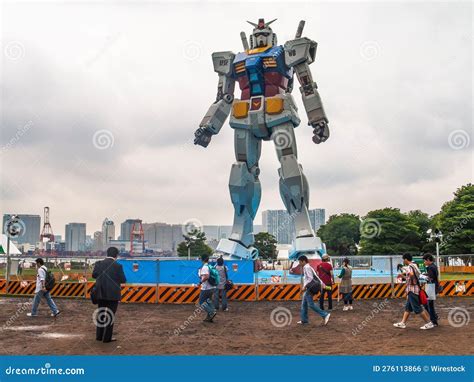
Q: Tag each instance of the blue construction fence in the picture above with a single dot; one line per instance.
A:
(158, 271)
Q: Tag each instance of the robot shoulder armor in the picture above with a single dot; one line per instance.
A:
(223, 62)
(300, 50)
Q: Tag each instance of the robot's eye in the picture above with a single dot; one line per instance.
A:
(264, 34)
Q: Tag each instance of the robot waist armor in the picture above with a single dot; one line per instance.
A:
(261, 113)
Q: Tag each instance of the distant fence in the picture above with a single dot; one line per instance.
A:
(168, 280)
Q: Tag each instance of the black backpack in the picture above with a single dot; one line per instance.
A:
(49, 280)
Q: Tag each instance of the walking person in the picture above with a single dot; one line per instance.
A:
(432, 287)
(108, 275)
(308, 276)
(42, 291)
(325, 273)
(345, 287)
(412, 274)
(207, 290)
(220, 293)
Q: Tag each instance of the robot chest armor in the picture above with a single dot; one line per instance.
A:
(263, 73)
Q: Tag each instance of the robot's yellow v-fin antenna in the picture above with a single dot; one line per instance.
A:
(253, 24)
(299, 31)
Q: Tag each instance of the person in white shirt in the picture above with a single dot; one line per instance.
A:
(207, 290)
(308, 275)
(41, 291)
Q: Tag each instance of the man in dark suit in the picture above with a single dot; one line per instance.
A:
(109, 275)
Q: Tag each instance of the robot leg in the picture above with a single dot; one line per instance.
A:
(294, 191)
(245, 193)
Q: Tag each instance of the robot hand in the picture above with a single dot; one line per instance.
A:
(202, 136)
(321, 131)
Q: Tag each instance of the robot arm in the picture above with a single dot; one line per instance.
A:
(299, 54)
(220, 109)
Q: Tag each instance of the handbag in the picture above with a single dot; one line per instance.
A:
(228, 284)
(315, 285)
(93, 294)
(431, 291)
(423, 295)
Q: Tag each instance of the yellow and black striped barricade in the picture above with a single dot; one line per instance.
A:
(139, 293)
(174, 294)
(3, 286)
(279, 292)
(22, 288)
(242, 292)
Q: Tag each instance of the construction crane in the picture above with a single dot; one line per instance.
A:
(47, 232)
(137, 234)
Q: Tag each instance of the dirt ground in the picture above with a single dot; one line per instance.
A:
(248, 328)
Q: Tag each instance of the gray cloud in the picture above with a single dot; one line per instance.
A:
(395, 78)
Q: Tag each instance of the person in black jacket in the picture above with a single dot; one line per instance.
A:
(432, 273)
(109, 275)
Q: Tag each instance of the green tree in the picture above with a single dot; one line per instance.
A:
(388, 231)
(456, 221)
(266, 245)
(341, 234)
(423, 223)
(196, 241)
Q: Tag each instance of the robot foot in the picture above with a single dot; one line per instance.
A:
(235, 250)
(310, 246)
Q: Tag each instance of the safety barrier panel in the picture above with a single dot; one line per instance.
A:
(241, 292)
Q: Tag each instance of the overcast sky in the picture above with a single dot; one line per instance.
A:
(100, 102)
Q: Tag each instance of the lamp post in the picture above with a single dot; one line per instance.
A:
(437, 236)
(14, 227)
(190, 238)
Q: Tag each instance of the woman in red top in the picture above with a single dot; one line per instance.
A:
(325, 273)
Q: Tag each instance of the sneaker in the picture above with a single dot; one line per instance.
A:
(56, 314)
(400, 325)
(326, 319)
(427, 326)
(351, 307)
(345, 308)
(302, 322)
(31, 315)
(225, 310)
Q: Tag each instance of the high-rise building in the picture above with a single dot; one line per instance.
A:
(32, 229)
(97, 242)
(108, 232)
(163, 236)
(126, 228)
(217, 232)
(280, 224)
(76, 237)
(317, 217)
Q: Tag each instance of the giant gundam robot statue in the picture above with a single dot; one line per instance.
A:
(266, 111)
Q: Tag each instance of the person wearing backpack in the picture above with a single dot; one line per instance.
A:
(220, 292)
(208, 283)
(325, 273)
(414, 292)
(44, 284)
(312, 284)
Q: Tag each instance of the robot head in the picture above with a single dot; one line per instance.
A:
(262, 34)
